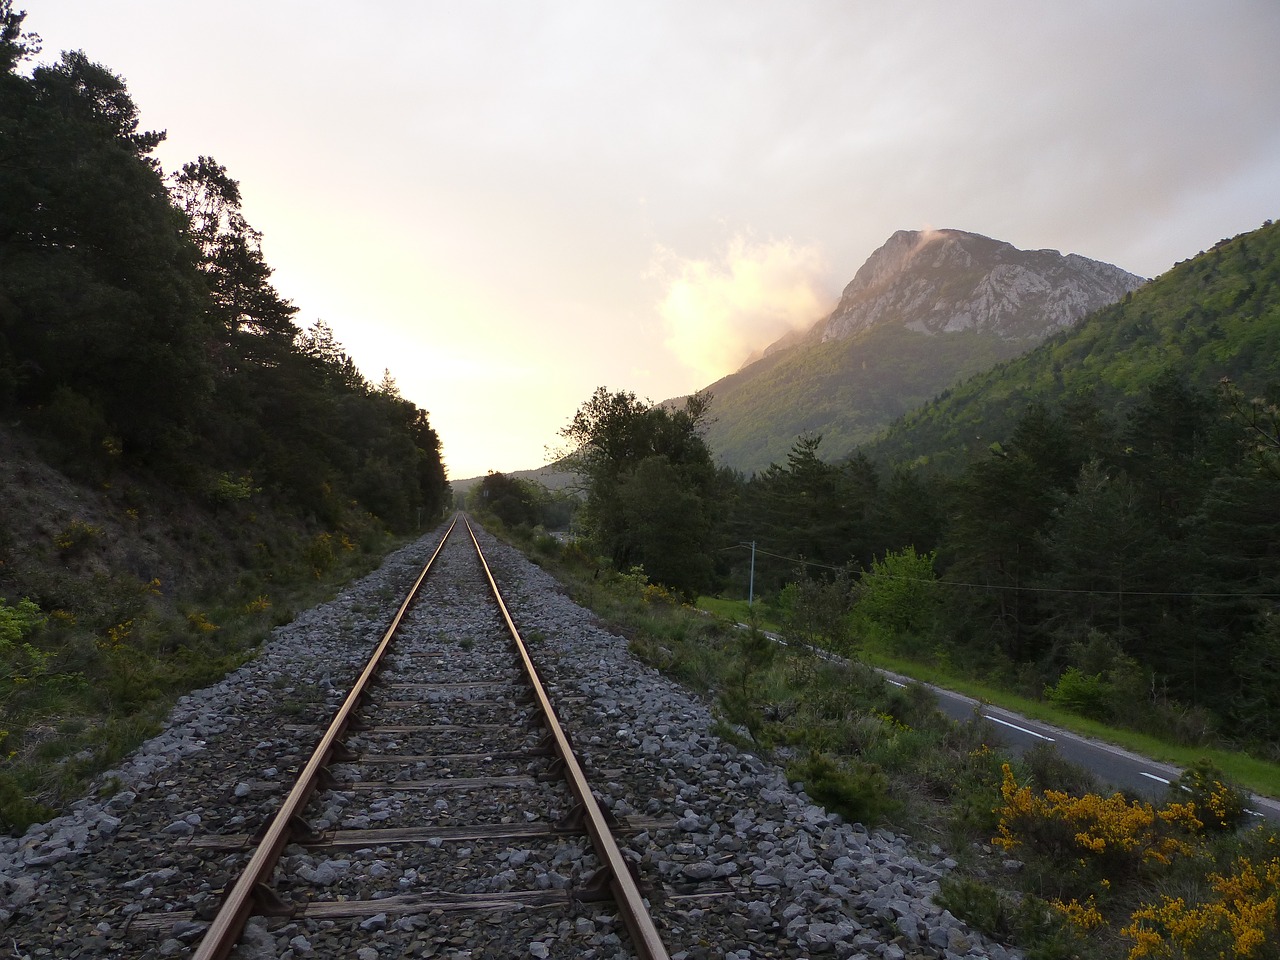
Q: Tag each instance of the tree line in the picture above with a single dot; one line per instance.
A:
(1097, 523)
(1126, 566)
(140, 329)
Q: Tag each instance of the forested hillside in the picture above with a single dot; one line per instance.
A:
(1216, 315)
(1102, 533)
(181, 461)
(1097, 522)
(926, 309)
(139, 325)
(847, 390)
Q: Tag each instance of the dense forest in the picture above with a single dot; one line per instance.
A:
(139, 325)
(1097, 522)
(181, 464)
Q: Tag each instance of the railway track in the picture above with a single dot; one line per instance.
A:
(472, 769)
(443, 824)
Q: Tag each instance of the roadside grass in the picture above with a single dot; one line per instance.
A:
(1247, 771)
(1251, 773)
(109, 657)
(880, 754)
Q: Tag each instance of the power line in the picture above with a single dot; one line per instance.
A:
(778, 556)
(1025, 589)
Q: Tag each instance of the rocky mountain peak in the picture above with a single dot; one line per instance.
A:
(940, 281)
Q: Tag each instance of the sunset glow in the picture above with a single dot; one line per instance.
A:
(508, 205)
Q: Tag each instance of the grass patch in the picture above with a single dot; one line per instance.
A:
(1257, 776)
(108, 655)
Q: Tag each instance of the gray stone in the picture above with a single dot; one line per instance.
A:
(699, 871)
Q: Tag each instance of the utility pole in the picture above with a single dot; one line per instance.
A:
(751, 582)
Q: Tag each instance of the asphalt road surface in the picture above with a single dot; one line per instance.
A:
(1113, 765)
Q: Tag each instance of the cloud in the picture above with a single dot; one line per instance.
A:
(717, 312)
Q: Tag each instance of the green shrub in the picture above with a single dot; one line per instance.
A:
(19, 660)
(17, 810)
(898, 595)
(228, 489)
(857, 791)
(1085, 695)
(18, 621)
(1220, 805)
(1044, 933)
(75, 538)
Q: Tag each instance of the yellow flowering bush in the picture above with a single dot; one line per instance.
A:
(73, 538)
(201, 623)
(1241, 919)
(1082, 916)
(1107, 836)
(654, 593)
(116, 636)
(320, 553)
(1220, 806)
(259, 604)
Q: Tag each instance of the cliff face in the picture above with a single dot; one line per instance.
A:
(928, 309)
(944, 281)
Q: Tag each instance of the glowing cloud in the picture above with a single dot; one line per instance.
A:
(717, 313)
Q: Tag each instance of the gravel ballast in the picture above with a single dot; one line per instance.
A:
(782, 877)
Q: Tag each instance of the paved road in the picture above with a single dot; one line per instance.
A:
(1113, 765)
(1118, 767)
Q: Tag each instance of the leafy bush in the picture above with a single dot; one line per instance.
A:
(816, 611)
(19, 660)
(226, 488)
(1241, 918)
(1046, 930)
(1085, 695)
(898, 595)
(75, 537)
(1220, 806)
(1106, 838)
(1050, 771)
(857, 791)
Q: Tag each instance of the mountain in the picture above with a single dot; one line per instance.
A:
(927, 309)
(1213, 316)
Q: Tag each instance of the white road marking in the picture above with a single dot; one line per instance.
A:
(1152, 776)
(1014, 726)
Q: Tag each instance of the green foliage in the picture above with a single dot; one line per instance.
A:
(1080, 694)
(18, 620)
(808, 511)
(73, 539)
(1102, 682)
(899, 595)
(16, 44)
(743, 697)
(847, 390)
(145, 352)
(20, 661)
(519, 502)
(816, 611)
(1212, 316)
(1220, 805)
(857, 791)
(1042, 932)
(226, 488)
(138, 314)
(650, 485)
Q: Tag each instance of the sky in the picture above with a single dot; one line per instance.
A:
(510, 204)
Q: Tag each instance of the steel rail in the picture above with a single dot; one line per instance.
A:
(228, 925)
(635, 914)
